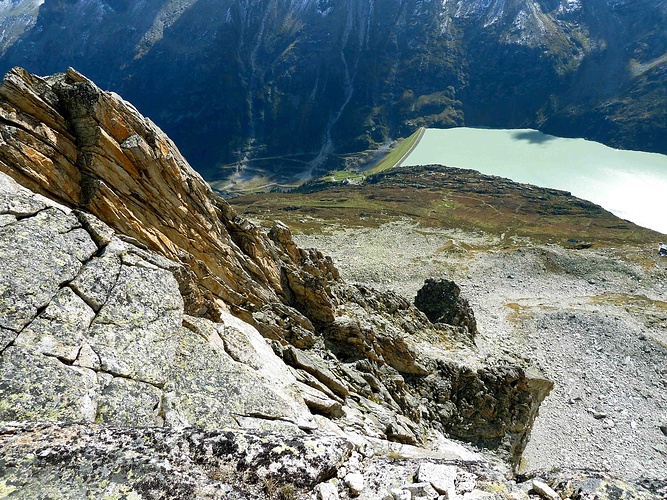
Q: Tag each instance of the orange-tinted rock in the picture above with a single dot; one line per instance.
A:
(366, 351)
(71, 141)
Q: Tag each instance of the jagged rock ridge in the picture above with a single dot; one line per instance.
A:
(122, 271)
(150, 265)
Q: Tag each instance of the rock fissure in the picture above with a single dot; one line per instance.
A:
(78, 354)
(99, 307)
(133, 241)
(71, 362)
(140, 262)
(11, 343)
(275, 418)
(68, 283)
(26, 326)
(63, 360)
(21, 216)
(84, 297)
(32, 133)
(14, 124)
(98, 231)
(146, 323)
(159, 386)
(71, 230)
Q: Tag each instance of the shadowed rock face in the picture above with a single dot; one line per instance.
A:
(441, 301)
(134, 296)
(288, 80)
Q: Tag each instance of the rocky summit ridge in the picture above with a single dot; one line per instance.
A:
(154, 344)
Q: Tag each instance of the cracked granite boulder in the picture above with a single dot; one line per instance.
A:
(96, 334)
(137, 297)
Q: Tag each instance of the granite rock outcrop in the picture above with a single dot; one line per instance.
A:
(99, 333)
(40, 460)
(132, 296)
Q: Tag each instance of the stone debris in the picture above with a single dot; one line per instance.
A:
(440, 476)
(135, 328)
(98, 461)
(401, 494)
(163, 462)
(420, 490)
(544, 490)
(355, 483)
(586, 338)
(327, 491)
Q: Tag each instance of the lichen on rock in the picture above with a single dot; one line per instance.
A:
(139, 299)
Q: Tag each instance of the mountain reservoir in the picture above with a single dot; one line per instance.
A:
(630, 184)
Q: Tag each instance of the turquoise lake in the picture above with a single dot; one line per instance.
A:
(630, 184)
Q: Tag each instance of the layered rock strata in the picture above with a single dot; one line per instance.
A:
(131, 295)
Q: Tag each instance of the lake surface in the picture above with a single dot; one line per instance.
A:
(630, 184)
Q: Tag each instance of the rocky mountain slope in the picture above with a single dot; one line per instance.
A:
(551, 277)
(15, 19)
(276, 88)
(135, 303)
(154, 344)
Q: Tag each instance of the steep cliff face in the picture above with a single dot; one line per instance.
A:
(285, 87)
(118, 297)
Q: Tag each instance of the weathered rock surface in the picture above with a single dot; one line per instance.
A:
(99, 334)
(132, 296)
(79, 461)
(103, 337)
(590, 484)
(593, 319)
(151, 263)
(442, 302)
(82, 461)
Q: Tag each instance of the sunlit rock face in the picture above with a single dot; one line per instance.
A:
(152, 342)
(147, 300)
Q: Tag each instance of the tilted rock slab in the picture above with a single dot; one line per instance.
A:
(99, 334)
(138, 297)
(91, 461)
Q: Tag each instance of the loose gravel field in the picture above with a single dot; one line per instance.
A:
(595, 321)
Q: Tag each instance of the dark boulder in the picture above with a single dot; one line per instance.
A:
(442, 302)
